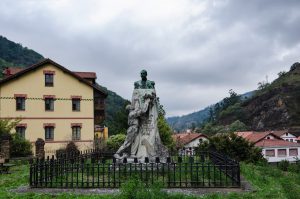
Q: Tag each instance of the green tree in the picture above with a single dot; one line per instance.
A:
(165, 132)
(19, 146)
(233, 146)
(115, 141)
(237, 126)
(164, 129)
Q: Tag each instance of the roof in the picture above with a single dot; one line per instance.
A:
(279, 133)
(298, 139)
(13, 70)
(276, 143)
(49, 61)
(254, 137)
(86, 75)
(185, 138)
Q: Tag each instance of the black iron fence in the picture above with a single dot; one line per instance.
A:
(209, 169)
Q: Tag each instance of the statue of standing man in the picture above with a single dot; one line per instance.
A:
(143, 138)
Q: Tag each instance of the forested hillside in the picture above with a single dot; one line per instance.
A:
(197, 119)
(274, 106)
(12, 54)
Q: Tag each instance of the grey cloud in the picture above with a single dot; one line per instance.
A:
(194, 60)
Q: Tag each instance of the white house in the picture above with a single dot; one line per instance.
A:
(285, 135)
(188, 141)
(274, 147)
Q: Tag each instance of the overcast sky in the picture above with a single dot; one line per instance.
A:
(195, 51)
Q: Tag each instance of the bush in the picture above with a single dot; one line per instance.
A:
(115, 141)
(233, 146)
(20, 147)
(71, 149)
(284, 165)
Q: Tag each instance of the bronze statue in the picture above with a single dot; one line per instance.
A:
(144, 83)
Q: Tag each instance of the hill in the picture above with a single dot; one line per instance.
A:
(189, 121)
(13, 54)
(196, 119)
(275, 105)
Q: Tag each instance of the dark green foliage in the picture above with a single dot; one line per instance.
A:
(234, 146)
(20, 147)
(115, 113)
(165, 132)
(283, 165)
(211, 129)
(17, 54)
(115, 141)
(12, 54)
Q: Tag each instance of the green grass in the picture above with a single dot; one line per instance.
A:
(268, 181)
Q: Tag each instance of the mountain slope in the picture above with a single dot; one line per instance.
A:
(275, 106)
(12, 54)
(196, 119)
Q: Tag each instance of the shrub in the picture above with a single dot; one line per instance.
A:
(283, 165)
(20, 147)
(72, 148)
(233, 146)
(115, 141)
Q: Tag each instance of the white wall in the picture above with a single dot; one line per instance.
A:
(289, 137)
(276, 158)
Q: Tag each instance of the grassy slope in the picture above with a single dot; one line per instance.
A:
(268, 181)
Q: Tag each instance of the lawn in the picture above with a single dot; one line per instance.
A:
(268, 181)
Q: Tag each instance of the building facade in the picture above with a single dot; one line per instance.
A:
(276, 146)
(52, 103)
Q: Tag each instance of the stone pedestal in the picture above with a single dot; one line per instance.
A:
(39, 148)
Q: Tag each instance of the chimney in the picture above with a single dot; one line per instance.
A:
(7, 72)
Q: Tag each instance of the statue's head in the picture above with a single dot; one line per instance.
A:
(144, 75)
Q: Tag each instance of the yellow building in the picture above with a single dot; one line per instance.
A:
(54, 104)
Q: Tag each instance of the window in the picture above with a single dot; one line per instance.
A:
(270, 153)
(49, 104)
(293, 152)
(49, 132)
(48, 80)
(281, 152)
(20, 103)
(291, 140)
(76, 104)
(76, 132)
(20, 130)
(287, 134)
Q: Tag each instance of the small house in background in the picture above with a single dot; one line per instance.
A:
(101, 132)
(286, 135)
(187, 142)
(274, 147)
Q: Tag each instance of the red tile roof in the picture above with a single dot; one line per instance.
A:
(185, 138)
(298, 139)
(279, 133)
(276, 143)
(86, 75)
(254, 137)
(45, 61)
(12, 70)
